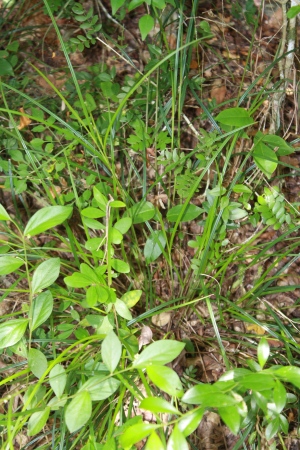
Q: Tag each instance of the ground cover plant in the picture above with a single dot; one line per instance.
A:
(149, 225)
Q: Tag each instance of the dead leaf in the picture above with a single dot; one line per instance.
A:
(256, 329)
(24, 120)
(218, 90)
(162, 319)
(145, 336)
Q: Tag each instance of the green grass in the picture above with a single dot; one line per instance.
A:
(89, 232)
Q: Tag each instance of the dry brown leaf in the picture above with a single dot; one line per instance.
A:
(145, 336)
(162, 319)
(24, 120)
(218, 91)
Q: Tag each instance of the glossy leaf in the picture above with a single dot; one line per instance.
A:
(37, 421)
(122, 310)
(290, 374)
(279, 394)
(231, 417)
(45, 274)
(190, 213)
(120, 266)
(42, 307)
(272, 428)
(4, 214)
(209, 396)
(9, 264)
(263, 352)
(47, 218)
(159, 353)
(190, 422)
(111, 350)
(37, 362)
(78, 411)
(165, 379)
(154, 246)
(92, 213)
(58, 379)
(12, 331)
(100, 389)
(158, 405)
(136, 433)
(154, 442)
(265, 159)
(259, 381)
(177, 440)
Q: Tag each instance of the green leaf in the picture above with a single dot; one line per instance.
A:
(78, 280)
(154, 442)
(279, 396)
(115, 5)
(12, 331)
(117, 204)
(78, 411)
(37, 362)
(190, 213)
(42, 307)
(237, 213)
(265, 159)
(4, 214)
(177, 440)
(9, 264)
(190, 421)
(131, 298)
(122, 310)
(272, 428)
(241, 189)
(136, 433)
(293, 12)
(237, 117)
(283, 148)
(45, 274)
(134, 4)
(46, 218)
(141, 212)
(290, 374)
(154, 246)
(146, 23)
(123, 225)
(58, 379)
(158, 405)
(263, 352)
(37, 421)
(165, 379)
(259, 381)
(92, 213)
(87, 271)
(6, 68)
(208, 395)
(120, 266)
(160, 352)
(100, 389)
(111, 351)
(231, 417)
(100, 199)
(115, 236)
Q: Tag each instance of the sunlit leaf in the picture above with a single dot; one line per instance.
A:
(78, 411)
(42, 307)
(45, 274)
(37, 362)
(9, 264)
(159, 353)
(37, 421)
(111, 350)
(12, 331)
(47, 218)
(58, 379)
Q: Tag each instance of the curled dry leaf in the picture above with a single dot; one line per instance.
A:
(24, 120)
(218, 90)
(145, 336)
(162, 319)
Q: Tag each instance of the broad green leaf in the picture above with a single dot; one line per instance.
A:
(37, 421)
(259, 381)
(159, 353)
(146, 23)
(6, 68)
(111, 350)
(93, 224)
(165, 379)
(177, 440)
(115, 236)
(117, 204)
(131, 298)
(4, 214)
(100, 389)
(47, 218)
(115, 5)
(78, 280)
(190, 213)
(12, 331)
(134, 4)
(154, 246)
(279, 396)
(265, 159)
(241, 189)
(100, 199)
(122, 310)
(263, 352)
(96, 294)
(78, 411)
(141, 212)
(58, 379)
(293, 11)
(56, 403)
(236, 117)
(45, 274)
(237, 213)
(283, 148)
(123, 225)
(290, 374)
(92, 213)
(87, 271)
(209, 396)
(154, 442)
(42, 307)
(158, 405)
(37, 362)
(231, 417)
(272, 428)
(9, 264)
(120, 266)
(190, 422)
(136, 433)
